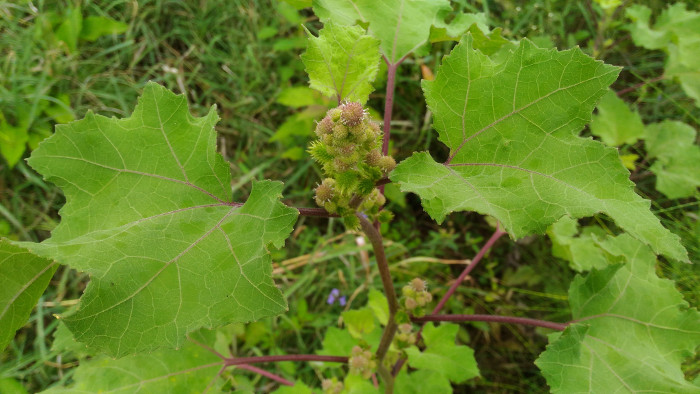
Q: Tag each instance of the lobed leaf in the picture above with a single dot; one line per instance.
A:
(631, 330)
(514, 154)
(149, 216)
(615, 123)
(677, 165)
(342, 62)
(677, 32)
(25, 276)
(191, 369)
(402, 26)
(442, 355)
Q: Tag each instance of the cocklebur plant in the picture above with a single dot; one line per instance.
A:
(175, 259)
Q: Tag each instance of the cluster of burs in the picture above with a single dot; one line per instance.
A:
(349, 152)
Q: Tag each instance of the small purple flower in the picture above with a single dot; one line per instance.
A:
(332, 296)
(342, 301)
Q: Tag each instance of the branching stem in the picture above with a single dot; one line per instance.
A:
(375, 239)
(493, 318)
(229, 361)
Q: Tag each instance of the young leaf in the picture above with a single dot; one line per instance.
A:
(677, 32)
(402, 26)
(615, 123)
(149, 215)
(24, 279)
(632, 330)
(442, 355)
(511, 128)
(342, 62)
(677, 165)
(580, 250)
(187, 370)
(422, 381)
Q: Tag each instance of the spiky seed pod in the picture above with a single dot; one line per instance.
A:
(339, 132)
(327, 139)
(320, 152)
(351, 222)
(357, 132)
(324, 193)
(334, 114)
(418, 284)
(373, 128)
(331, 207)
(410, 304)
(325, 126)
(352, 114)
(346, 150)
(387, 164)
(385, 216)
(365, 186)
(373, 157)
(339, 165)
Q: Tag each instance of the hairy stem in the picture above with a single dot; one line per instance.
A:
(389, 104)
(266, 374)
(639, 85)
(493, 318)
(487, 246)
(287, 357)
(375, 239)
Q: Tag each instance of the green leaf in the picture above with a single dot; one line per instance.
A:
(149, 216)
(69, 30)
(337, 341)
(95, 27)
(298, 388)
(422, 381)
(442, 355)
(191, 369)
(13, 141)
(379, 305)
(677, 165)
(514, 154)
(579, 249)
(24, 277)
(459, 24)
(298, 96)
(359, 322)
(615, 123)
(631, 333)
(677, 32)
(342, 62)
(402, 26)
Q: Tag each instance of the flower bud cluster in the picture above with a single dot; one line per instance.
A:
(362, 362)
(405, 337)
(349, 152)
(332, 386)
(416, 297)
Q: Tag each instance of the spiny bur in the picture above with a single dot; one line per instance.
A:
(349, 152)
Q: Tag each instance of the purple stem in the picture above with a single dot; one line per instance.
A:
(389, 104)
(494, 237)
(493, 318)
(287, 357)
(263, 372)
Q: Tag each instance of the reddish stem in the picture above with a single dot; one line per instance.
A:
(389, 104)
(639, 85)
(493, 318)
(263, 372)
(287, 357)
(494, 237)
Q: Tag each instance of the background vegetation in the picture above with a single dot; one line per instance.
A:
(243, 56)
